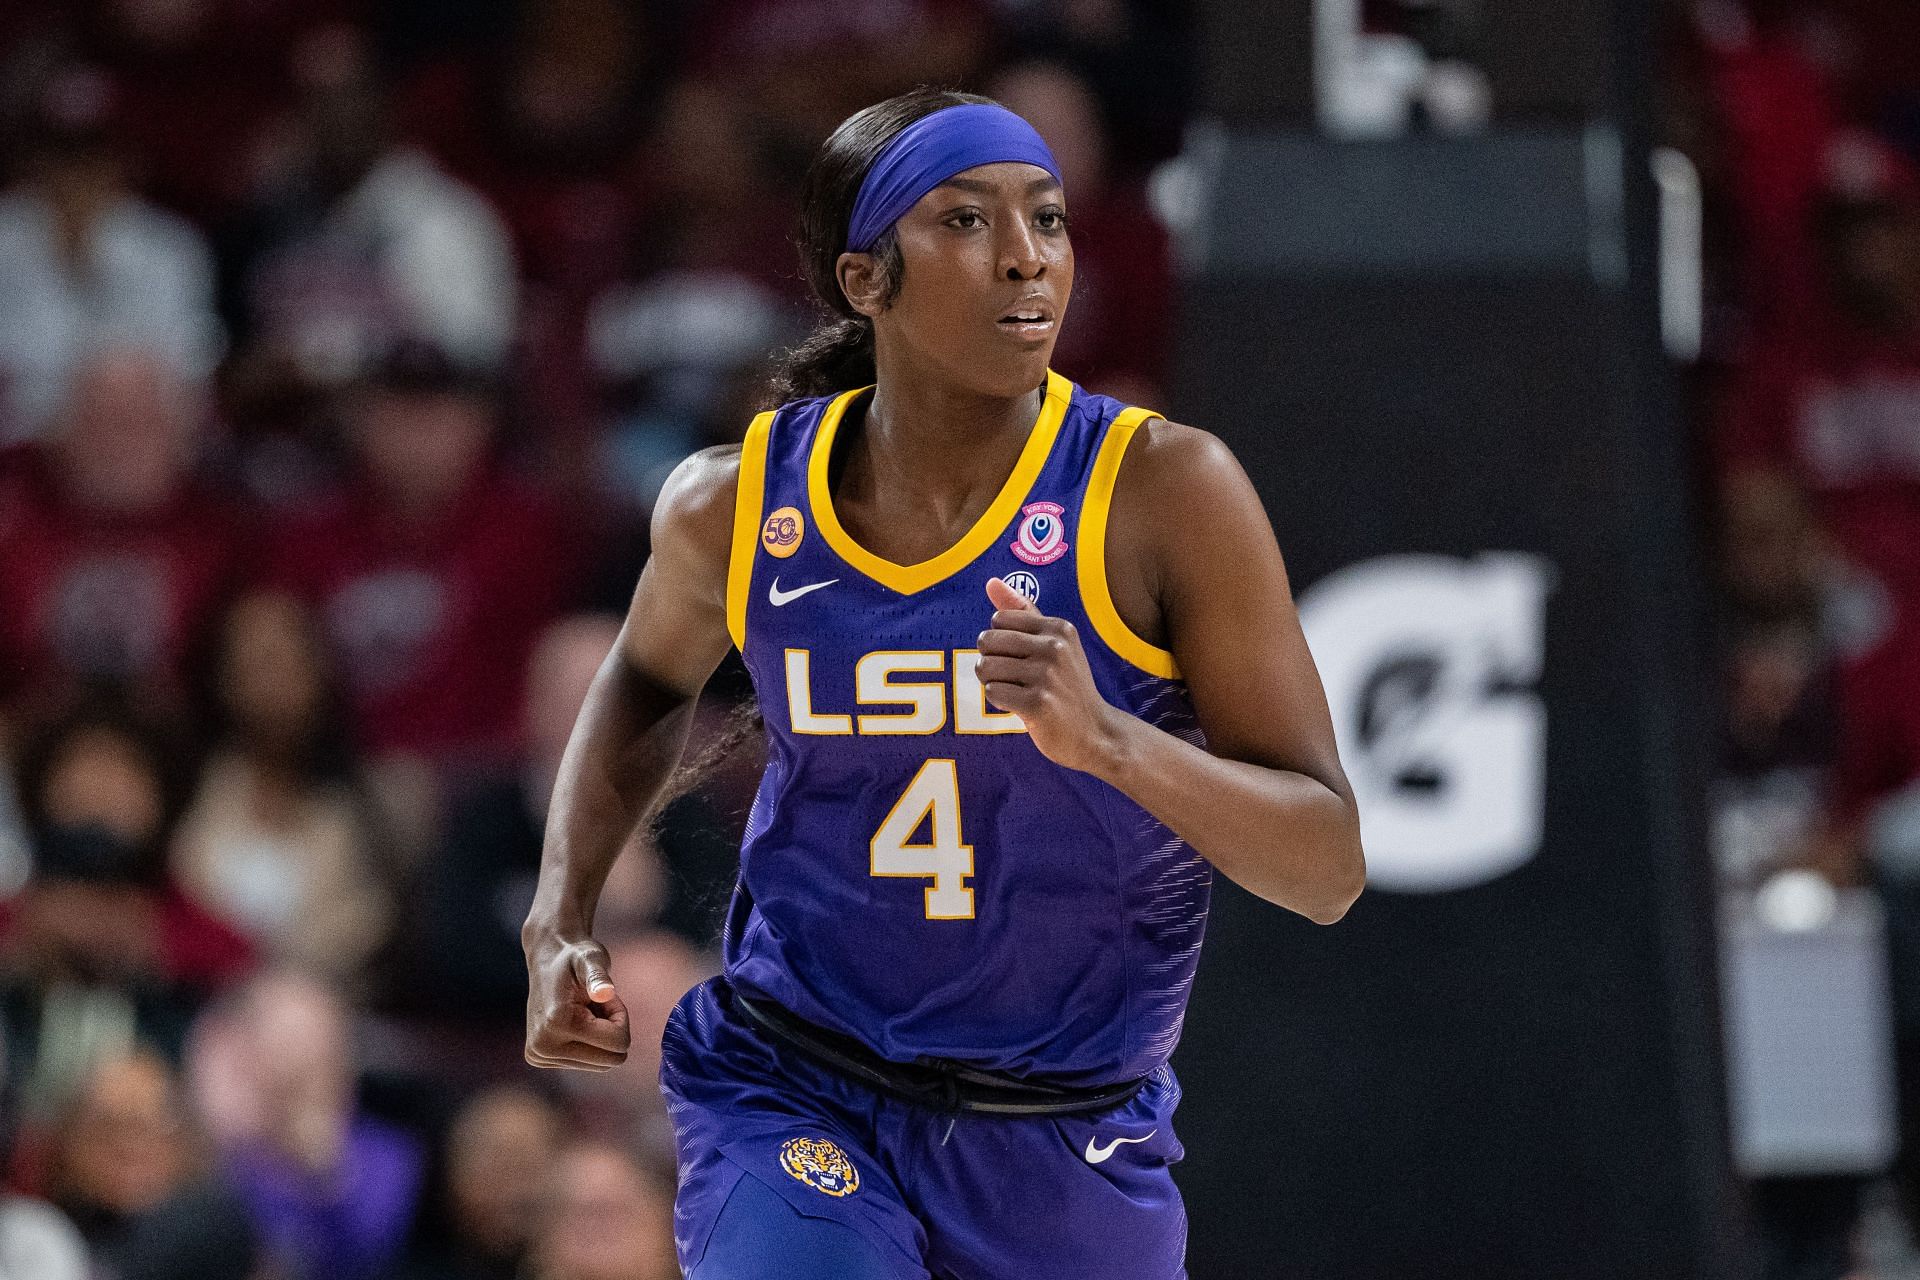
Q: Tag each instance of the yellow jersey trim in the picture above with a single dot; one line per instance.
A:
(909, 578)
(747, 501)
(1091, 553)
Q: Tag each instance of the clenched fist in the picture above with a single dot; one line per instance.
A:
(1033, 665)
(574, 1016)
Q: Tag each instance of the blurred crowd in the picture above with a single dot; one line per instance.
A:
(344, 345)
(1803, 120)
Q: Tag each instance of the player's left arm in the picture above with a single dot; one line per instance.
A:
(1267, 801)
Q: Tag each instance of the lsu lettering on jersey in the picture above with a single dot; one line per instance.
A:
(915, 872)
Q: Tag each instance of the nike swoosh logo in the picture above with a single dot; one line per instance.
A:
(1097, 1153)
(779, 597)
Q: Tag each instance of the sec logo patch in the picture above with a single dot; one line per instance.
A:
(782, 532)
(821, 1165)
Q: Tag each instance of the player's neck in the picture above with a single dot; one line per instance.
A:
(929, 436)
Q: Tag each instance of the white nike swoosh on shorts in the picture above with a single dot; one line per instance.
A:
(1097, 1153)
(779, 597)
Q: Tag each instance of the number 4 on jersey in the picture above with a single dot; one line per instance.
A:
(935, 789)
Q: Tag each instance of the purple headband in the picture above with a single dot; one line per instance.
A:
(932, 149)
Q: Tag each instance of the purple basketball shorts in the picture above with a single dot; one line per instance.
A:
(959, 1196)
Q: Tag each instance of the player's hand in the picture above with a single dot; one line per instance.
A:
(1033, 665)
(575, 1018)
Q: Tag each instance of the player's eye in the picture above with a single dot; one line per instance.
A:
(967, 219)
(1052, 219)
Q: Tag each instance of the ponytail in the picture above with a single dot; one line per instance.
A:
(743, 721)
(838, 356)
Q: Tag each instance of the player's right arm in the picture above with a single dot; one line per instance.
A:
(625, 746)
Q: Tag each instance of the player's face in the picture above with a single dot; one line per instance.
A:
(987, 271)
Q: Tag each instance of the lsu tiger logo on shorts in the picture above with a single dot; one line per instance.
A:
(821, 1165)
(782, 532)
(1042, 536)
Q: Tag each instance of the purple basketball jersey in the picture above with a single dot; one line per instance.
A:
(915, 873)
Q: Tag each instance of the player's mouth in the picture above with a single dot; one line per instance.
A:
(1030, 319)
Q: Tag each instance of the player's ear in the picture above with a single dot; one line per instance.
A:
(863, 280)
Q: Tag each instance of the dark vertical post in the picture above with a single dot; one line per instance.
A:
(1439, 360)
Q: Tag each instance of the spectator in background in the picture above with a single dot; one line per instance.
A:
(86, 264)
(112, 560)
(201, 83)
(361, 241)
(127, 1169)
(500, 1154)
(1773, 558)
(1781, 630)
(476, 891)
(669, 351)
(545, 128)
(605, 1217)
(1831, 404)
(1789, 616)
(432, 570)
(712, 289)
(330, 1190)
(712, 199)
(1834, 401)
(282, 841)
(99, 949)
(121, 1146)
(1123, 268)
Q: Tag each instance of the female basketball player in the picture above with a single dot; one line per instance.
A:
(1030, 671)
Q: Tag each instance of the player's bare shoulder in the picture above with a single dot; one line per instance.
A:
(676, 632)
(1168, 460)
(692, 525)
(1173, 479)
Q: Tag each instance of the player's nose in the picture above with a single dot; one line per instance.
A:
(1021, 255)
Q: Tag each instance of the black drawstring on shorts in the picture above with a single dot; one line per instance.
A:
(937, 1084)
